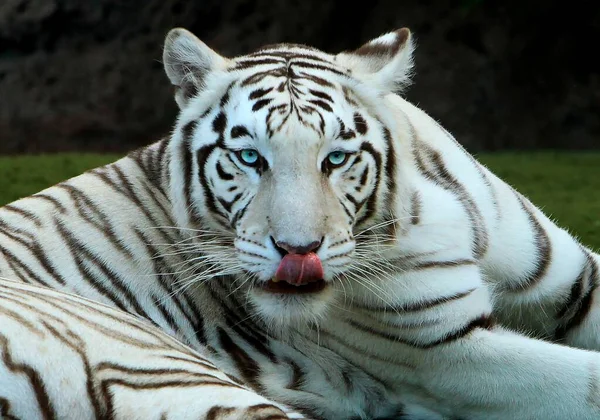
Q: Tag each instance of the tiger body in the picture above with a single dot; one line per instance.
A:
(422, 249)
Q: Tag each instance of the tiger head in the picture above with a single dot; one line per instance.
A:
(290, 153)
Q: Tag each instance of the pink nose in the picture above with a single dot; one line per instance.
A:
(286, 248)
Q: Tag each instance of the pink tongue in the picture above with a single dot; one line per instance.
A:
(300, 269)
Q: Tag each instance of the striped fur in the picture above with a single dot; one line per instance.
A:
(136, 290)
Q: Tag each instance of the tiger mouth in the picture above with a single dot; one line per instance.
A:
(297, 274)
(285, 287)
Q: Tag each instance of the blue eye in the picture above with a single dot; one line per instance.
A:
(249, 156)
(337, 158)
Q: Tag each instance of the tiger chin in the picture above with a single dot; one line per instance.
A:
(286, 166)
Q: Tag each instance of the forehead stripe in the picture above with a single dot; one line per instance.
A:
(321, 95)
(259, 93)
(239, 131)
(321, 104)
(261, 104)
(248, 63)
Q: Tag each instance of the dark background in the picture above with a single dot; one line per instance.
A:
(86, 74)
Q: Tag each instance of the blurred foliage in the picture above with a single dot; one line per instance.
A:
(467, 5)
(565, 185)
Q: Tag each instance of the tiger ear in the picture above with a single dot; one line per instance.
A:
(386, 61)
(187, 62)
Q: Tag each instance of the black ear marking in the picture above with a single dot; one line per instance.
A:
(386, 61)
(386, 46)
(187, 61)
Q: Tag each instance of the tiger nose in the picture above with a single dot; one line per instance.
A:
(286, 248)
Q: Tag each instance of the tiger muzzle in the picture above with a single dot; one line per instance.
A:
(298, 273)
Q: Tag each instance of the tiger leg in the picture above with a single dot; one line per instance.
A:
(464, 365)
(62, 356)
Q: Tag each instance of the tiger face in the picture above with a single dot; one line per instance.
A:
(288, 152)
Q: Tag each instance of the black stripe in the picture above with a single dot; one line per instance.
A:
(481, 322)
(415, 208)
(17, 265)
(313, 66)
(259, 93)
(544, 249)
(37, 384)
(75, 343)
(167, 316)
(236, 317)
(126, 188)
(351, 199)
(480, 168)
(360, 124)
(261, 104)
(90, 212)
(159, 203)
(14, 232)
(321, 124)
(238, 131)
(575, 294)
(297, 379)
(348, 213)
(160, 268)
(305, 55)
(5, 410)
(442, 176)
(228, 204)
(442, 264)
(78, 308)
(364, 176)
(345, 133)
(49, 198)
(585, 304)
(315, 79)
(258, 77)
(36, 251)
(484, 322)
(348, 95)
(248, 63)
(320, 94)
(219, 124)
(321, 104)
(201, 157)
(372, 199)
(247, 367)
(222, 174)
(141, 157)
(419, 306)
(225, 98)
(238, 215)
(24, 213)
(390, 171)
(187, 161)
(84, 259)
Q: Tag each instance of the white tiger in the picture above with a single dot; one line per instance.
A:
(316, 245)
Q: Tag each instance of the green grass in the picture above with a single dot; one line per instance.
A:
(565, 185)
(21, 176)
